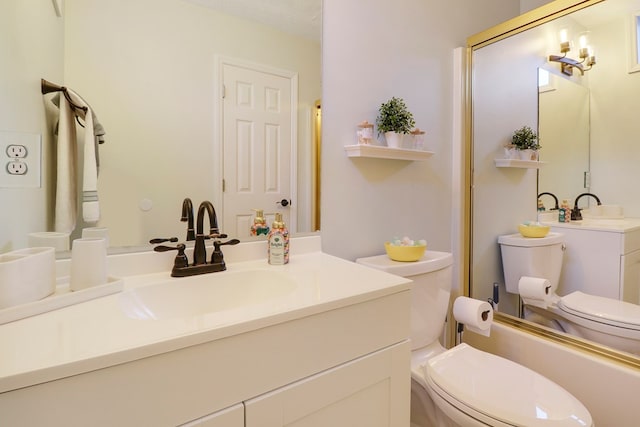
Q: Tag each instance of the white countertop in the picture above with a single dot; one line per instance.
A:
(615, 226)
(99, 333)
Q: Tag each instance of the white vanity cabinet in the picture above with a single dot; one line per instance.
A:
(369, 391)
(601, 260)
(340, 364)
(630, 274)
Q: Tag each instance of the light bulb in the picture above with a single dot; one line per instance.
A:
(564, 35)
(565, 44)
(583, 41)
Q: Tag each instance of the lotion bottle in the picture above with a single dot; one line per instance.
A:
(259, 225)
(564, 213)
(278, 242)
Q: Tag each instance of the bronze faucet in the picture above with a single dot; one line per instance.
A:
(556, 207)
(199, 252)
(181, 266)
(187, 216)
(576, 212)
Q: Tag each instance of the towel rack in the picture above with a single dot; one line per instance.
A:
(48, 87)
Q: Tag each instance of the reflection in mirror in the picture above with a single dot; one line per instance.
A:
(153, 74)
(595, 115)
(563, 126)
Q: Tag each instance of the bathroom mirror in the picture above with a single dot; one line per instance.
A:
(150, 70)
(504, 64)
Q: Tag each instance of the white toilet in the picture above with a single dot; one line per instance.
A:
(464, 386)
(604, 320)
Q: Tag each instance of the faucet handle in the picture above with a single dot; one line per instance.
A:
(181, 260)
(217, 257)
(228, 242)
(163, 240)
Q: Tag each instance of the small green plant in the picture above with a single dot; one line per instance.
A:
(393, 116)
(525, 138)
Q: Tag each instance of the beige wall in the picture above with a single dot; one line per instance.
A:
(564, 133)
(615, 107)
(607, 389)
(30, 49)
(527, 5)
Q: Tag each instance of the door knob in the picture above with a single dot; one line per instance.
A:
(284, 202)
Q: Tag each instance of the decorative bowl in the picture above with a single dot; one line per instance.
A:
(404, 253)
(533, 230)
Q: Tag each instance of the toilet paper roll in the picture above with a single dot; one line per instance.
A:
(535, 291)
(476, 315)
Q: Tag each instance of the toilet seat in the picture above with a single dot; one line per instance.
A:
(605, 311)
(499, 392)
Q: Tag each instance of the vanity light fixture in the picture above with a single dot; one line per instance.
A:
(587, 56)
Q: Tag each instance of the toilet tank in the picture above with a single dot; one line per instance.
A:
(531, 256)
(430, 291)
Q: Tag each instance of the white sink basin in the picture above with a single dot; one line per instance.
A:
(205, 294)
(603, 212)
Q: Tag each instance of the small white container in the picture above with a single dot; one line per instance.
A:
(364, 134)
(417, 139)
(57, 240)
(96, 232)
(27, 275)
(88, 263)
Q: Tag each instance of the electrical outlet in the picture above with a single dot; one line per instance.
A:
(20, 160)
(16, 151)
(17, 167)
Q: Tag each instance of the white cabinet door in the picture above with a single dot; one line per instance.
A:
(229, 417)
(372, 391)
(630, 274)
(591, 262)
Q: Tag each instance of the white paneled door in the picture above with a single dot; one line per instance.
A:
(258, 145)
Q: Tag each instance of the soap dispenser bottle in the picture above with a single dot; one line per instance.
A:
(278, 242)
(259, 226)
(564, 213)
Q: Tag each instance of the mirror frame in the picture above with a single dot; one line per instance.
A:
(541, 15)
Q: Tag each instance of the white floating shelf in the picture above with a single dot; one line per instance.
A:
(380, 152)
(514, 163)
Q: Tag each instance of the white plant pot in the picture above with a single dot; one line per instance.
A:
(394, 139)
(526, 154)
(511, 153)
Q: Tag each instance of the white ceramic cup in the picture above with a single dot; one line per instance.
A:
(88, 263)
(96, 232)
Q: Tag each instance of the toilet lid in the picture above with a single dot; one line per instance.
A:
(600, 309)
(503, 390)
(520, 241)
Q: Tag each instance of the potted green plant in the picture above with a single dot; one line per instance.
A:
(394, 121)
(526, 141)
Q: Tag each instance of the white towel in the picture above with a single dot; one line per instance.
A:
(67, 131)
(90, 206)
(66, 193)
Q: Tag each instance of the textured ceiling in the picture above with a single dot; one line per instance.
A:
(300, 17)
